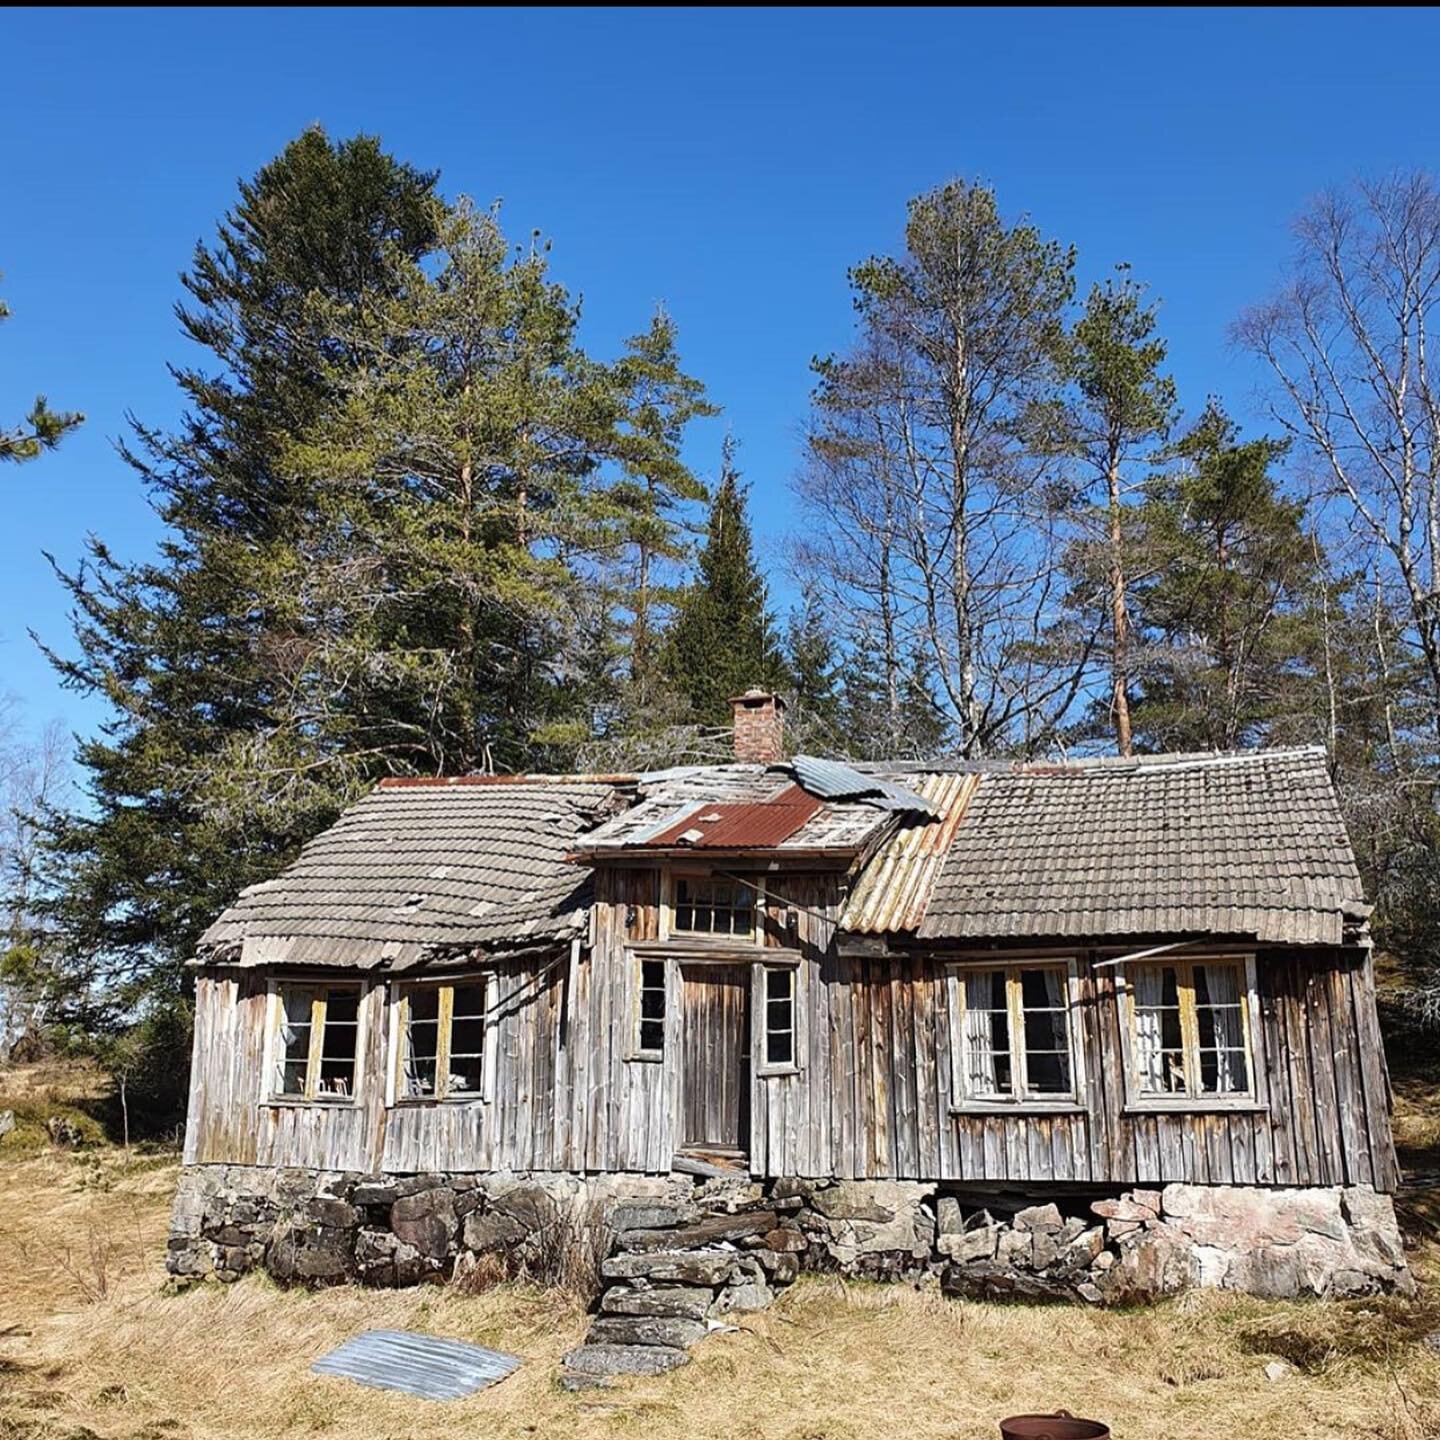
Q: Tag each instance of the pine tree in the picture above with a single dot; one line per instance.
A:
(1122, 406)
(723, 640)
(476, 486)
(653, 496)
(42, 429)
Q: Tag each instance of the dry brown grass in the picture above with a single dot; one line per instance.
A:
(830, 1362)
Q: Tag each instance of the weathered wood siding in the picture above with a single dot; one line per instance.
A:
(869, 1097)
(1323, 1116)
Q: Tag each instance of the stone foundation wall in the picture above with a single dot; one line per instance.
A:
(731, 1242)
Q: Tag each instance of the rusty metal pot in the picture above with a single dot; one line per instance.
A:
(1062, 1425)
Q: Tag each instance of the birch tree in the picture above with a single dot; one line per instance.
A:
(1348, 343)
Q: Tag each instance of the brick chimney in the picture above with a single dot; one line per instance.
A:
(759, 727)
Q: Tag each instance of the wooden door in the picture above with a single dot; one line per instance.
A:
(715, 1059)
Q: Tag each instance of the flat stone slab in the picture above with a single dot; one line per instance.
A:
(675, 1267)
(603, 1360)
(423, 1365)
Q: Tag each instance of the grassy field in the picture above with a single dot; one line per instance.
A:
(92, 1349)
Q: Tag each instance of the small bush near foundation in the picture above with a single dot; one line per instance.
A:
(562, 1252)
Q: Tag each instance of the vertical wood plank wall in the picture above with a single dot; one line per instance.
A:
(870, 1097)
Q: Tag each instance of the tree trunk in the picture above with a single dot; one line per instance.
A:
(1119, 617)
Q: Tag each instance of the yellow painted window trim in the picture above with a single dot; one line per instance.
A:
(1022, 1098)
(274, 1043)
(444, 1039)
(1190, 1032)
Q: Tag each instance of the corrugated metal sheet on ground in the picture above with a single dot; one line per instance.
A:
(422, 1365)
(729, 826)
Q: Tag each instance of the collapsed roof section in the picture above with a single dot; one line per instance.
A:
(419, 868)
(801, 808)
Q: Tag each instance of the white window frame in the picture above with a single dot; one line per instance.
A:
(274, 1017)
(754, 940)
(960, 1097)
(760, 1016)
(1252, 1098)
(399, 998)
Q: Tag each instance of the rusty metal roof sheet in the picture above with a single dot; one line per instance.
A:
(755, 824)
(671, 799)
(894, 888)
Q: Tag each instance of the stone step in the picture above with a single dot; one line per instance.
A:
(599, 1361)
(646, 1330)
(675, 1302)
(678, 1267)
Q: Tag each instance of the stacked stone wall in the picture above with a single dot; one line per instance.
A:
(675, 1255)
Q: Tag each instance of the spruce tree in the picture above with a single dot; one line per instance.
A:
(723, 640)
(197, 648)
(42, 429)
(816, 716)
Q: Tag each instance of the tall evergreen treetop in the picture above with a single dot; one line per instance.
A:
(723, 637)
(41, 430)
(193, 649)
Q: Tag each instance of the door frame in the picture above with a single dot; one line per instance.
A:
(742, 967)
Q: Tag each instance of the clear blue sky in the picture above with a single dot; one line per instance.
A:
(731, 165)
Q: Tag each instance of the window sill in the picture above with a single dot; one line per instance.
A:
(299, 1102)
(646, 1057)
(771, 1072)
(1019, 1108)
(1247, 1106)
(428, 1102)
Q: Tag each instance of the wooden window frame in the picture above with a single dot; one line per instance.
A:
(961, 1101)
(635, 963)
(275, 1019)
(400, 994)
(760, 1016)
(704, 938)
(1253, 1098)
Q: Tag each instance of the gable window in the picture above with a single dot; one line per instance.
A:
(713, 907)
(650, 1018)
(316, 1045)
(1189, 1030)
(1012, 1029)
(443, 1040)
(780, 1049)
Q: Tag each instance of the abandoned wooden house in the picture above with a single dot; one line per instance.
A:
(1090, 1028)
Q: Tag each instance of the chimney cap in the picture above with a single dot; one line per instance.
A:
(756, 696)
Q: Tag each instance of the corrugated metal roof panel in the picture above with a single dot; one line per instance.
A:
(894, 889)
(423, 1365)
(833, 781)
(754, 825)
